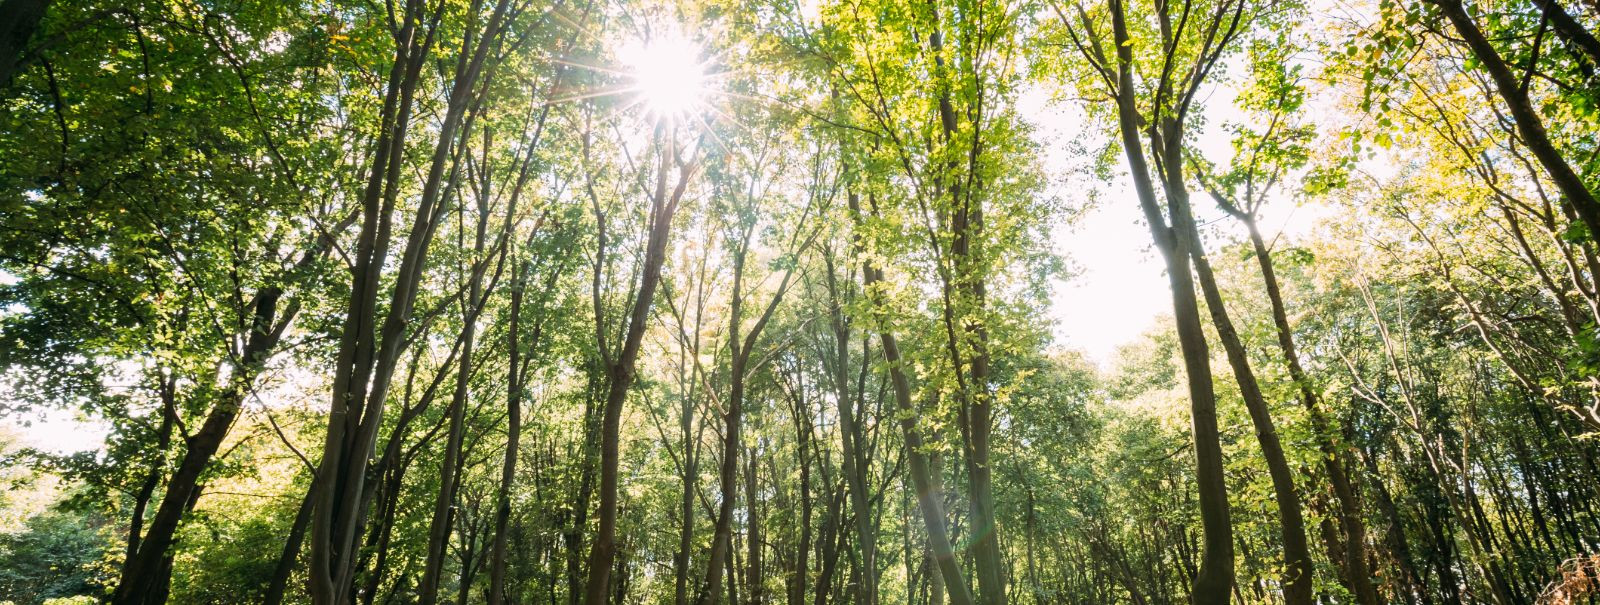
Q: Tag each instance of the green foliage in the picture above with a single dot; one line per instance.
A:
(55, 555)
(164, 163)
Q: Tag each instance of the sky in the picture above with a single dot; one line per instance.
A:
(1119, 286)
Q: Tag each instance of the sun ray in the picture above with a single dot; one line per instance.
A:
(598, 68)
(592, 35)
(713, 133)
(590, 94)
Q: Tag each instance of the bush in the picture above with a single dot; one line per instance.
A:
(52, 560)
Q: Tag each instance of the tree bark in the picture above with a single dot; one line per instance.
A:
(740, 348)
(145, 575)
(1213, 582)
(449, 469)
(1297, 580)
(853, 460)
(754, 586)
(279, 583)
(966, 228)
(515, 375)
(1566, 26)
(1351, 523)
(141, 500)
(22, 19)
(367, 354)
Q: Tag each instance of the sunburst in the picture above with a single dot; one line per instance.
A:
(668, 75)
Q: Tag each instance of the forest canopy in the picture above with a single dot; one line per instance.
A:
(721, 301)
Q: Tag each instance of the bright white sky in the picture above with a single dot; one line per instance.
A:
(1120, 284)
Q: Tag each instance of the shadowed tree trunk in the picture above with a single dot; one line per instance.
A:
(449, 471)
(965, 289)
(852, 458)
(740, 348)
(20, 19)
(1297, 580)
(367, 352)
(291, 553)
(144, 578)
(1351, 524)
(1213, 581)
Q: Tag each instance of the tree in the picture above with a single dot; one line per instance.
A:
(1173, 76)
(677, 166)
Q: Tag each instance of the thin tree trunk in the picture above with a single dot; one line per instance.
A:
(141, 499)
(680, 564)
(1213, 582)
(449, 469)
(853, 459)
(722, 537)
(740, 348)
(279, 583)
(516, 374)
(1354, 560)
(1297, 580)
(932, 507)
(145, 575)
(966, 227)
(803, 445)
(754, 589)
(367, 356)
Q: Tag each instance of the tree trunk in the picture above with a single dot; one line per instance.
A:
(152, 479)
(1354, 560)
(966, 227)
(740, 348)
(449, 469)
(722, 537)
(754, 589)
(680, 563)
(22, 18)
(291, 553)
(853, 459)
(932, 507)
(1213, 582)
(1297, 580)
(1566, 26)
(367, 354)
(146, 573)
(621, 373)
(515, 375)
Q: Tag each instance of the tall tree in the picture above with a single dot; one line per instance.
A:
(619, 356)
(1171, 78)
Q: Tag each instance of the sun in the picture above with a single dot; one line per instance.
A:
(667, 73)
